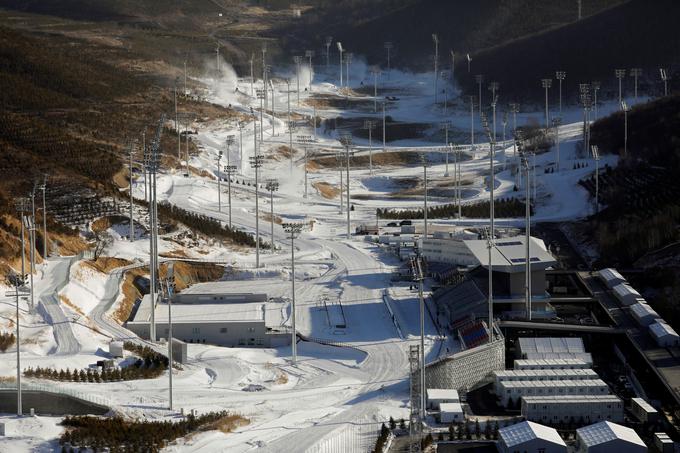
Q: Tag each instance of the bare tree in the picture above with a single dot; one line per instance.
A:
(101, 241)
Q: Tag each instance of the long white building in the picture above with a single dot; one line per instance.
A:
(550, 364)
(516, 389)
(571, 408)
(542, 375)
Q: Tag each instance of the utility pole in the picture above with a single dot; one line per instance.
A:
(219, 186)
(435, 39)
(635, 73)
(229, 170)
(620, 74)
(546, 83)
(132, 201)
(310, 54)
(305, 141)
(22, 206)
(272, 186)
(479, 78)
(472, 122)
(256, 162)
(556, 124)
(388, 48)
(596, 87)
(626, 109)
(369, 125)
(423, 160)
(376, 72)
(339, 44)
(384, 133)
(348, 62)
(596, 157)
(445, 125)
(298, 60)
(293, 230)
(292, 127)
(560, 76)
(261, 94)
(329, 40)
(346, 141)
(43, 187)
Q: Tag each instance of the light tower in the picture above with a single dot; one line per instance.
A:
(348, 62)
(329, 40)
(388, 47)
(261, 94)
(229, 170)
(560, 76)
(256, 163)
(309, 54)
(305, 141)
(423, 161)
(556, 124)
(479, 78)
(527, 238)
(384, 124)
(445, 125)
(620, 74)
(546, 83)
(369, 125)
(635, 73)
(298, 60)
(264, 72)
(339, 44)
(435, 40)
(19, 289)
(23, 206)
(132, 201)
(252, 74)
(472, 122)
(596, 157)
(241, 126)
(626, 109)
(445, 77)
(219, 179)
(346, 141)
(272, 186)
(596, 87)
(43, 187)
(664, 77)
(375, 71)
(514, 109)
(292, 127)
(494, 102)
(293, 230)
(453, 69)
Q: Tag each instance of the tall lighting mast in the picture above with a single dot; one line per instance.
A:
(375, 71)
(298, 60)
(435, 40)
(229, 170)
(369, 125)
(596, 157)
(620, 74)
(339, 44)
(546, 83)
(479, 78)
(626, 109)
(664, 78)
(388, 48)
(560, 76)
(346, 141)
(293, 230)
(43, 187)
(329, 40)
(256, 163)
(635, 73)
(309, 54)
(272, 186)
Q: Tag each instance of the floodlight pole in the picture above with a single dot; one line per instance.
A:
(293, 230)
(620, 74)
(445, 77)
(310, 54)
(20, 411)
(664, 77)
(636, 73)
(339, 157)
(479, 78)
(261, 94)
(435, 39)
(305, 141)
(256, 162)
(596, 158)
(560, 76)
(22, 207)
(272, 186)
(376, 72)
(546, 83)
(347, 143)
(132, 226)
(219, 187)
(43, 187)
(31, 233)
(445, 125)
(298, 60)
(339, 44)
(384, 134)
(472, 122)
(527, 228)
(291, 128)
(229, 170)
(493, 87)
(143, 167)
(459, 182)
(514, 109)
(596, 88)
(388, 47)
(348, 62)
(264, 74)
(370, 125)
(626, 109)
(329, 40)
(241, 125)
(424, 162)
(490, 245)
(556, 124)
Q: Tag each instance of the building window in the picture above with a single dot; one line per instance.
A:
(259, 341)
(196, 330)
(223, 330)
(241, 341)
(251, 329)
(251, 342)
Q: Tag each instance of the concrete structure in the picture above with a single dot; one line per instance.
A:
(448, 247)
(451, 413)
(116, 349)
(608, 437)
(553, 348)
(435, 397)
(610, 277)
(48, 403)
(664, 335)
(550, 364)
(572, 409)
(216, 292)
(643, 411)
(530, 437)
(516, 389)
(542, 375)
(644, 314)
(179, 350)
(469, 369)
(223, 323)
(664, 443)
(626, 294)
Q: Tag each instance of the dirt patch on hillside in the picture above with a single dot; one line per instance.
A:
(122, 178)
(106, 264)
(267, 217)
(104, 223)
(379, 159)
(187, 273)
(65, 300)
(326, 190)
(130, 294)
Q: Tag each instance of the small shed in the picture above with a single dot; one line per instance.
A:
(608, 437)
(664, 443)
(644, 314)
(643, 411)
(451, 413)
(626, 294)
(116, 349)
(610, 277)
(435, 397)
(530, 437)
(664, 335)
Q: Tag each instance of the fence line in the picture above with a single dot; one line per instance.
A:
(56, 389)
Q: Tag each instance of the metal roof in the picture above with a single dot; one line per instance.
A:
(442, 394)
(660, 329)
(197, 313)
(625, 290)
(552, 363)
(641, 311)
(610, 274)
(556, 383)
(455, 408)
(509, 254)
(583, 373)
(526, 431)
(606, 431)
(551, 345)
(575, 399)
(644, 405)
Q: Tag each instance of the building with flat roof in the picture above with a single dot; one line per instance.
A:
(553, 348)
(542, 375)
(572, 408)
(448, 247)
(530, 437)
(514, 390)
(643, 411)
(451, 413)
(608, 437)
(435, 397)
(550, 364)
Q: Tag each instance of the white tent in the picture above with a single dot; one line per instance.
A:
(606, 437)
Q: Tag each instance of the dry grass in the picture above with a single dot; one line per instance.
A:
(267, 217)
(228, 424)
(121, 179)
(177, 253)
(65, 300)
(106, 264)
(130, 294)
(326, 190)
(8, 379)
(283, 152)
(186, 273)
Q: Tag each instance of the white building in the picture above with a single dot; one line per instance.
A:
(644, 314)
(530, 437)
(642, 410)
(572, 409)
(664, 443)
(516, 389)
(542, 375)
(608, 437)
(451, 413)
(626, 294)
(553, 348)
(550, 364)
(446, 247)
(664, 335)
(435, 397)
(610, 277)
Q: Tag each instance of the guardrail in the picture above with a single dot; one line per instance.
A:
(56, 389)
